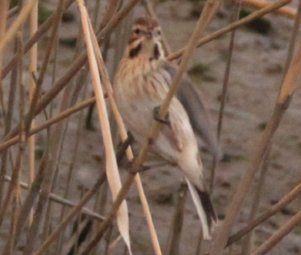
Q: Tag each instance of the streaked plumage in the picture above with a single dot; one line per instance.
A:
(141, 83)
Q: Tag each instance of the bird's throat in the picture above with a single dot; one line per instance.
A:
(152, 52)
(135, 51)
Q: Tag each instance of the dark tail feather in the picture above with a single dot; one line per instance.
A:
(208, 207)
(204, 208)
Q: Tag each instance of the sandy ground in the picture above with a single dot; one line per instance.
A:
(256, 74)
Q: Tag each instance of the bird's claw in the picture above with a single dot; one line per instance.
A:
(157, 117)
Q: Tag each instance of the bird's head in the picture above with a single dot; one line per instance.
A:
(145, 40)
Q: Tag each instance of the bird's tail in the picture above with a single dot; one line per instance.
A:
(204, 208)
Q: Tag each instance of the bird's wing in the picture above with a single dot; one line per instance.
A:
(174, 133)
(170, 133)
(194, 105)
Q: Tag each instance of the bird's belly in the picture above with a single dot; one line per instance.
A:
(138, 116)
(136, 100)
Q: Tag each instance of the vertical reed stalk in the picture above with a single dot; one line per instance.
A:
(152, 13)
(31, 197)
(75, 210)
(32, 69)
(285, 95)
(100, 207)
(247, 243)
(15, 187)
(293, 40)
(7, 115)
(36, 37)
(178, 219)
(234, 17)
(108, 240)
(81, 78)
(3, 18)
(199, 243)
(111, 163)
(17, 23)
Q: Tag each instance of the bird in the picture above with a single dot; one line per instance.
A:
(142, 80)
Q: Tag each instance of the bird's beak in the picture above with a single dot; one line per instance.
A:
(150, 34)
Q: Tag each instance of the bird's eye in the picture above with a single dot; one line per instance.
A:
(159, 32)
(137, 31)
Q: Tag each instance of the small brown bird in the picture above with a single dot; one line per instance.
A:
(141, 84)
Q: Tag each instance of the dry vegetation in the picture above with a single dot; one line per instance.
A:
(55, 153)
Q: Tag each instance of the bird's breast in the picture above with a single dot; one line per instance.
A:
(142, 79)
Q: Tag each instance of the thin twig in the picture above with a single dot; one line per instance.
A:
(234, 17)
(35, 95)
(107, 240)
(42, 201)
(293, 38)
(111, 10)
(283, 202)
(286, 92)
(54, 235)
(81, 78)
(247, 242)
(287, 11)
(32, 69)
(17, 23)
(235, 25)
(278, 235)
(152, 13)
(36, 37)
(12, 12)
(46, 184)
(61, 128)
(100, 207)
(3, 19)
(14, 188)
(266, 215)
(95, 14)
(8, 117)
(177, 221)
(32, 195)
(62, 201)
(127, 184)
(48, 123)
(199, 243)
